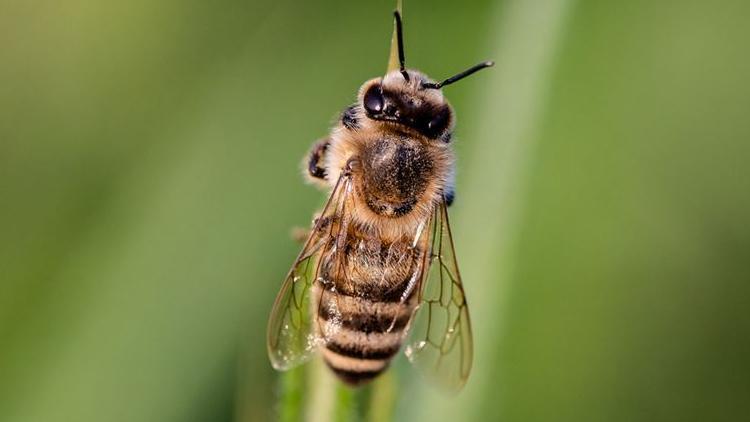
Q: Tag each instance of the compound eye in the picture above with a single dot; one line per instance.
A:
(373, 100)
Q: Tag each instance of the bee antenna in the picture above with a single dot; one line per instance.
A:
(400, 38)
(458, 77)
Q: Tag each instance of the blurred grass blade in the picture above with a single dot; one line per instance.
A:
(500, 153)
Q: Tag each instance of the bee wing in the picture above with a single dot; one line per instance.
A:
(440, 341)
(292, 338)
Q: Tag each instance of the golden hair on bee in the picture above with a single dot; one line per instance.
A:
(364, 272)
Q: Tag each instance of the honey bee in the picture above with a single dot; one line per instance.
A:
(379, 262)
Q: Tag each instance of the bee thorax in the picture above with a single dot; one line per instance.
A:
(395, 174)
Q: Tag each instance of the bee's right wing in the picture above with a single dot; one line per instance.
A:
(440, 340)
(292, 338)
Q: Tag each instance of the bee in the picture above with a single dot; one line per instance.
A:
(378, 268)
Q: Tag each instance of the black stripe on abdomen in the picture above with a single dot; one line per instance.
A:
(355, 377)
(360, 351)
(376, 292)
(357, 358)
(375, 289)
(375, 321)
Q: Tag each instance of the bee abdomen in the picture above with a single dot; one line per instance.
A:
(362, 335)
(356, 356)
(359, 315)
(365, 303)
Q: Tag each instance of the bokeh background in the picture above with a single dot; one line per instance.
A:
(149, 178)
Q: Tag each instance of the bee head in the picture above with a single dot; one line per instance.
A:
(394, 99)
(410, 98)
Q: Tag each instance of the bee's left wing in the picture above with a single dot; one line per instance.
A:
(440, 343)
(292, 337)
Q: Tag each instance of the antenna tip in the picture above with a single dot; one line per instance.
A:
(489, 63)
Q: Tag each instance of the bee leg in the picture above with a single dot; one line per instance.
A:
(315, 158)
(449, 196)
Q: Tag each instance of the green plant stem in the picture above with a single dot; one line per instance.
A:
(382, 400)
(291, 395)
(320, 393)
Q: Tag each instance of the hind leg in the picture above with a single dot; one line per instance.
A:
(449, 195)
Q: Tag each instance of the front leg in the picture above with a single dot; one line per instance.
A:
(315, 171)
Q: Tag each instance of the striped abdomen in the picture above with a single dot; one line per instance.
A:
(364, 303)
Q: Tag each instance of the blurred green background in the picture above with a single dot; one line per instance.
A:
(149, 178)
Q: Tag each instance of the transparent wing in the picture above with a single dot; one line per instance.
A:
(292, 337)
(440, 343)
